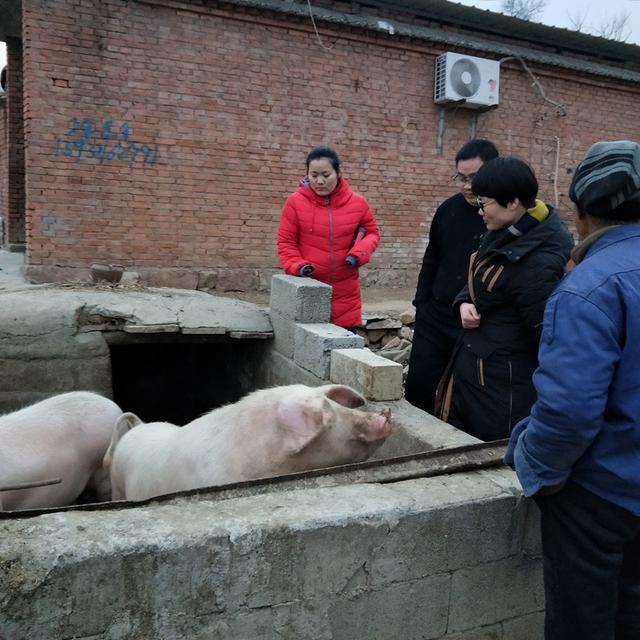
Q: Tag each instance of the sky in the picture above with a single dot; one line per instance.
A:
(556, 14)
(598, 12)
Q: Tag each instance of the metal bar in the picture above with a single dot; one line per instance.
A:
(30, 485)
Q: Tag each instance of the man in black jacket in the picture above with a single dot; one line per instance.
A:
(454, 235)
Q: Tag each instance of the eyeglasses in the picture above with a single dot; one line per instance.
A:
(482, 205)
(460, 179)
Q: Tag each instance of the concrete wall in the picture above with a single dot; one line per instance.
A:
(165, 135)
(449, 558)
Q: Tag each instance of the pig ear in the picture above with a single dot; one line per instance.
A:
(127, 421)
(301, 421)
(346, 396)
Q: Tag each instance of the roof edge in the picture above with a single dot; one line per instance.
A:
(396, 28)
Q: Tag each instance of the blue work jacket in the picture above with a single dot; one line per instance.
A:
(585, 424)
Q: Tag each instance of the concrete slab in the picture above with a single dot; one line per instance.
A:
(137, 310)
(53, 338)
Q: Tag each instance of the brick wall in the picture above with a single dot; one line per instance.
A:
(4, 167)
(166, 135)
(15, 162)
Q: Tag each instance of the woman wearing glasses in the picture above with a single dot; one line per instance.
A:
(519, 262)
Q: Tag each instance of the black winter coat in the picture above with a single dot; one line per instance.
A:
(510, 280)
(454, 235)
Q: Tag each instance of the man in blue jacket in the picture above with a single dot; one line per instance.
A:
(578, 453)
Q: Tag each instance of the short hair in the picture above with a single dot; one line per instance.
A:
(628, 211)
(324, 152)
(477, 148)
(504, 179)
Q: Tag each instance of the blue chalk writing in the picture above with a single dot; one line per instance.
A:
(86, 141)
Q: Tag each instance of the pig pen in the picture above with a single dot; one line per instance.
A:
(448, 557)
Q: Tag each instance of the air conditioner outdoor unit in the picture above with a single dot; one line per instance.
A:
(461, 77)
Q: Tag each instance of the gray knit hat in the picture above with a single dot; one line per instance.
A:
(608, 176)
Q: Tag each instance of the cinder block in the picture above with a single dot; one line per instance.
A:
(280, 370)
(376, 378)
(283, 333)
(314, 342)
(300, 299)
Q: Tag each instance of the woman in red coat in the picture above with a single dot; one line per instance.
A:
(327, 231)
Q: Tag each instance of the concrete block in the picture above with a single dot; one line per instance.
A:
(283, 333)
(280, 370)
(488, 593)
(529, 627)
(300, 299)
(444, 552)
(384, 614)
(314, 343)
(375, 377)
(491, 632)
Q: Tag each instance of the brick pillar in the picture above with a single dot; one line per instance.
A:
(4, 168)
(15, 219)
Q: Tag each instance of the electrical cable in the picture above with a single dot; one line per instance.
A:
(537, 84)
(313, 22)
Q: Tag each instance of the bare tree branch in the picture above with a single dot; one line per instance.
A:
(578, 19)
(617, 27)
(524, 9)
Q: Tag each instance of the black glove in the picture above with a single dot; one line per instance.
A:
(352, 261)
(306, 271)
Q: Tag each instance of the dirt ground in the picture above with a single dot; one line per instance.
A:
(383, 300)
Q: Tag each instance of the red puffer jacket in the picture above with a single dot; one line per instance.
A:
(320, 230)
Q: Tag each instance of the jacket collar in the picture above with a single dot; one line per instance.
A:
(603, 238)
(520, 246)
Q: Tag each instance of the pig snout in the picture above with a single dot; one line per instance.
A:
(376, 428)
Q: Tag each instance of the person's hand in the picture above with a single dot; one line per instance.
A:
(469, 316)
(306, 271)
(352, 261)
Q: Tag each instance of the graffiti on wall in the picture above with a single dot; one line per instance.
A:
(86, 140)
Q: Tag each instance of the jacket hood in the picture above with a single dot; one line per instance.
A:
(338, 197)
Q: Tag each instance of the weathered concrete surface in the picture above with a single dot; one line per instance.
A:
(372, 375)
(416, 430)
(444, 558)
(301, 299)
(11, 271)
(52, 338)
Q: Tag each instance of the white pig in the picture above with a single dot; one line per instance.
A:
(64, 437)
(267, 433)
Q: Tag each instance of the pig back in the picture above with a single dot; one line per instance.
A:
(62, 437)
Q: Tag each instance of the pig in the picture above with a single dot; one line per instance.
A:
(269, 432)
(64, 438)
